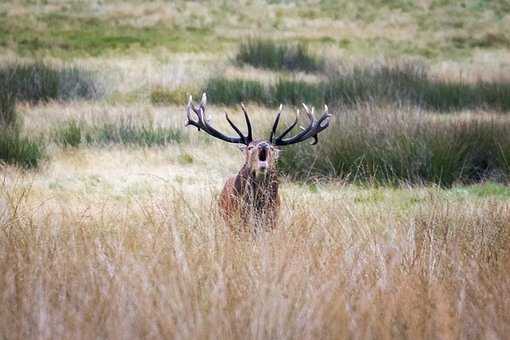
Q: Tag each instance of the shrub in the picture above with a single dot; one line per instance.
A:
(278, 56)
(400, 145)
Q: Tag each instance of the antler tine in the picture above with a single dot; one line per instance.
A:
(249, 137)
(275, 124)
(203, 101)
(309, 113)
(236, 129)
(289, 129)
(202, 124)
(189, 120)
(311, 131)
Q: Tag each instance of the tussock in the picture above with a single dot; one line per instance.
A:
(390, 145)
(401, 82)
(40, 82)
(278, 56)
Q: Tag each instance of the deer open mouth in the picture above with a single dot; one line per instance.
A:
(262, 166)
(263, 155)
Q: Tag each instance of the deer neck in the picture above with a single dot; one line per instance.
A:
(250, 182)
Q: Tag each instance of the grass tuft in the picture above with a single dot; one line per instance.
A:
(8, 116)
(70, 134)
(164, 96)
(389, 83)
(14, 148)
(39, 82)
(125, 131)
(391, 146)
(278, 56)
(18, 150)
(232, 91)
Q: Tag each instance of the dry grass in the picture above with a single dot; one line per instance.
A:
(101, 245)
(124, 242)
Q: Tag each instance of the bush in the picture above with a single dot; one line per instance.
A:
(278, 56)
(397, 145)
(39, 82)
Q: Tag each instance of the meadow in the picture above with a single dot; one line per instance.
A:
(395, 226)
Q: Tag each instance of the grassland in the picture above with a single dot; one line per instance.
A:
(125, 243)
(435, 29)
(395, 226)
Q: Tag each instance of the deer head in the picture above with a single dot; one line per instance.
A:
(261, 155)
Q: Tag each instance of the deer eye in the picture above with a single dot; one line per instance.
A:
(250, 147)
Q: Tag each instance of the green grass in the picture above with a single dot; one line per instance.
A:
(278, 56)
(227, 91)
(125, 131)
(8, 117)
(444, 29)
(19, 150)
(163, 96)
(38, 82)
(14, 148)
(435, 30)
(69, 135)
(389, 83)
(232, 91)
(394, 146)
(483, 190)
(66, 35)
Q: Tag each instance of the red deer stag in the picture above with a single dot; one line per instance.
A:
(252, 195)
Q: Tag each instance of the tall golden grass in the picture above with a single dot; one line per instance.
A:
(343, 263)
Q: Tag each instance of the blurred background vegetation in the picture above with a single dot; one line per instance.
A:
(433, 29)
(389, 70)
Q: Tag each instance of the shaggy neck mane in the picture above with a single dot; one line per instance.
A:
(266, 186)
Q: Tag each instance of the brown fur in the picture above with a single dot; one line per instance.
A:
(251, 199)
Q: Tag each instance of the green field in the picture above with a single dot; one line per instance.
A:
(396, 225)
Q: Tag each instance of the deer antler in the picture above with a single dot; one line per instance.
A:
(202, 124)
(315, 126)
